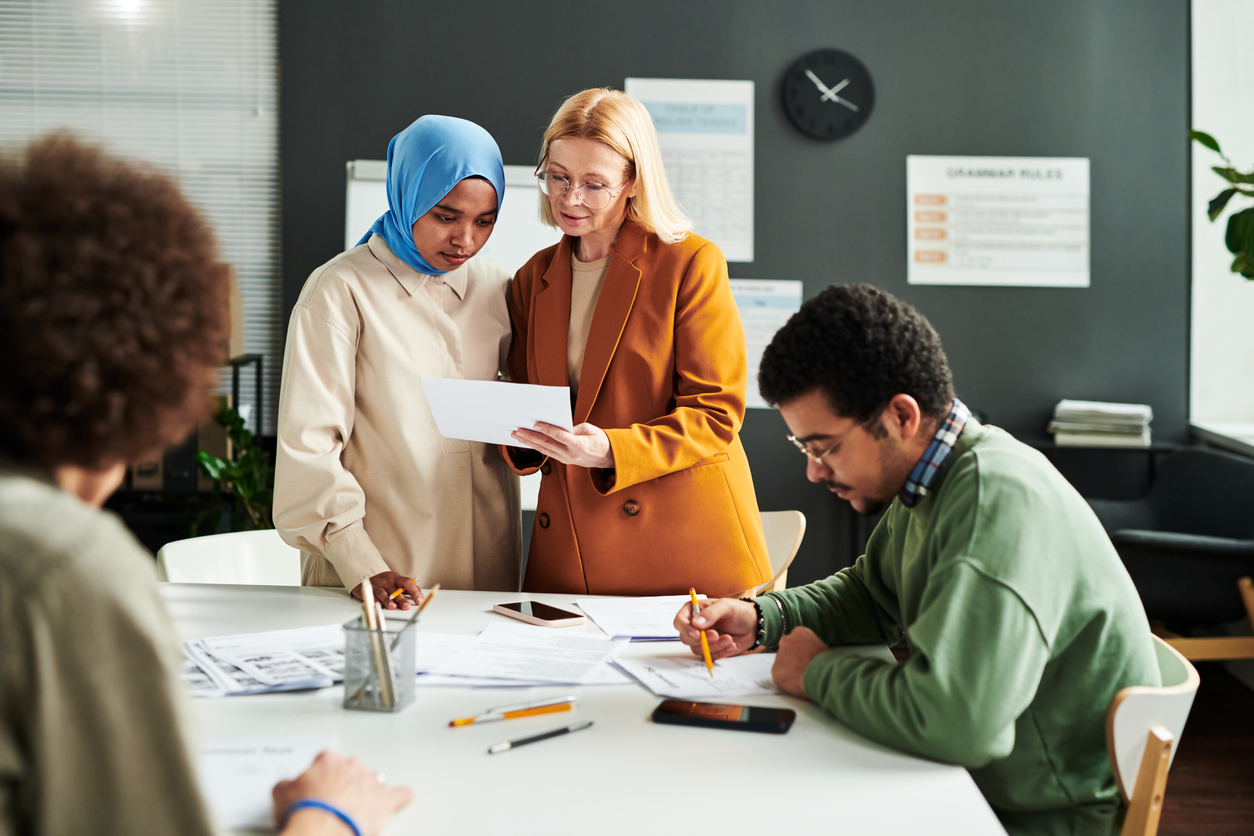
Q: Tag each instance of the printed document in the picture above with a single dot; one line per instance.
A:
(237, 774)
(540, 654)
(489, 410)
(686, 677)
(638, 619)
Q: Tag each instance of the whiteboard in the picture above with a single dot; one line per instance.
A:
(519, 232)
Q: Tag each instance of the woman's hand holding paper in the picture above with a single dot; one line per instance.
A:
(584, 446)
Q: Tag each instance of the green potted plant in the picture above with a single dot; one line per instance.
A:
(1240, 234)
(249, 477)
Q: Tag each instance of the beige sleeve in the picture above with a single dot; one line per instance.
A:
(318, 505)
(89, 685)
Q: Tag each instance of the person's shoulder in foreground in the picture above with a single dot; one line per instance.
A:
(112, 317)
(1021, 620)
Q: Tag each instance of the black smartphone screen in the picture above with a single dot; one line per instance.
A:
(541, 611)
(718, 716)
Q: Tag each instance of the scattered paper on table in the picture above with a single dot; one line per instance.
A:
(251, 663)
(545, 654)
(237, 774)
(489, 410)
(686, 676)
(638, 619)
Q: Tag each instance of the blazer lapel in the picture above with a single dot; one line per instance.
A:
(552, 314)
(618, 294)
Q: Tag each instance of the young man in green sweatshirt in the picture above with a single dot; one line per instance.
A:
(1021, 621)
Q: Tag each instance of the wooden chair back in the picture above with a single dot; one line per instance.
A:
(1143, 724)
(784, 531)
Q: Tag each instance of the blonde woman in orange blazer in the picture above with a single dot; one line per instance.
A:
(651, 494)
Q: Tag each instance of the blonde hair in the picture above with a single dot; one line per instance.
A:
(621, 122)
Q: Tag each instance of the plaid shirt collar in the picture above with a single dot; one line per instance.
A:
(933, 459)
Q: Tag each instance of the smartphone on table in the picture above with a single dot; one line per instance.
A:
(533, 612)
(712, 715)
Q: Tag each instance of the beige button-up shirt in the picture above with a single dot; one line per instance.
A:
(363, 478)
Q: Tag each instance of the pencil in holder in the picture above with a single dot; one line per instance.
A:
(379, 665)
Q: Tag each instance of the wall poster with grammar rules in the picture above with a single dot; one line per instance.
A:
(1018, 221)
(705, 130)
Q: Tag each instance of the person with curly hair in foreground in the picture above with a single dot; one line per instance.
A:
(1022, 622)
(112, 314)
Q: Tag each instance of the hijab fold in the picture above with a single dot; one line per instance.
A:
(425, 161)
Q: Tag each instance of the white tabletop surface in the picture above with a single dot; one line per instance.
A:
(624, 775)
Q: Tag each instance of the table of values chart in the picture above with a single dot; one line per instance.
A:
(998, 221)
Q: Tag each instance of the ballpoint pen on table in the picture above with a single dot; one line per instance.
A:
(522, 709)
(514, 744)
(705, 644)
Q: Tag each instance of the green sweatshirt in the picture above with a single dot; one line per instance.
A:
(1022, 625)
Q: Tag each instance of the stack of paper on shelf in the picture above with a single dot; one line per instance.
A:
(1100, 424)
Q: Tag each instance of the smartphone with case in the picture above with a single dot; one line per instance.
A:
(718, 716)
(533, 612)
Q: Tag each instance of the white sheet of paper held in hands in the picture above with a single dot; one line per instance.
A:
(489, 410)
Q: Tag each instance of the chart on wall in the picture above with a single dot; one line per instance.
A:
(764, 308)
(1020, 221)
(705, 129)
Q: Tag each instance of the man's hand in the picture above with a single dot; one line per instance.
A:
(584, 446)
(347, 784)
(796, 651)
(385, 583)
(729, 627)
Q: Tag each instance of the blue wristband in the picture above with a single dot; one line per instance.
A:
(316, 804)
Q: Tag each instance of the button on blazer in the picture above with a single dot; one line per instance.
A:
(664, 375)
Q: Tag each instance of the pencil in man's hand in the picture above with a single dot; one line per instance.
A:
(705, 644)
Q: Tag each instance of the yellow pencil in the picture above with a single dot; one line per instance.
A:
(397, 593)
(705, 645)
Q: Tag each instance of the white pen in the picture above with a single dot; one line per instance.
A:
(514, 744)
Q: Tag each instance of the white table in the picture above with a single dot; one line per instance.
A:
(624, 775)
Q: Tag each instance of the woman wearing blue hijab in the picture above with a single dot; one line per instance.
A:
(365, 485)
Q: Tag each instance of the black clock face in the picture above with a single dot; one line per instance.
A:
(827, 94)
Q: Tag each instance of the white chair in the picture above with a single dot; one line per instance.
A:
(1143, 725)
(784, 531)
(244, 557)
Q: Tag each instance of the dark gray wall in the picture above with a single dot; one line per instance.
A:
(1102, 79)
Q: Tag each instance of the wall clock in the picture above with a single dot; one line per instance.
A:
(827, 94)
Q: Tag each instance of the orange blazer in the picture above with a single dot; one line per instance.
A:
(664, 374)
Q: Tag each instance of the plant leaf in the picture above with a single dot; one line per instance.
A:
(209, 464)
(1232, 175)
(1206, 139)
(1216, 206)
(1240, 234)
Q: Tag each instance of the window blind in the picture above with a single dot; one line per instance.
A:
(190, 87)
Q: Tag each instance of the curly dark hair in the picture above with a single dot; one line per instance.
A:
(112, 308)
(860, 346)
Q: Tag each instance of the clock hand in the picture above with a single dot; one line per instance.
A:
(846, 103)
(823, 88)
(830, 94)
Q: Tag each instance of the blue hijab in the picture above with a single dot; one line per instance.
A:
(425, 161)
